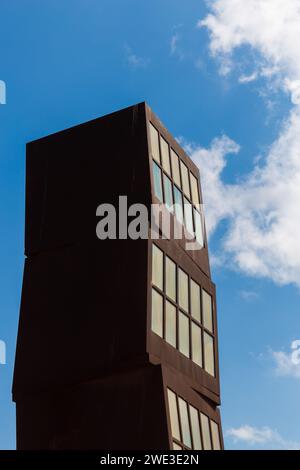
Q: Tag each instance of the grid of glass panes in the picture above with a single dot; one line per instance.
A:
(175, 185)
(191, 429)
(182, 311)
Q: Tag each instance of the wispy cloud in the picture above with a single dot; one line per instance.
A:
(288, 363)
(174, 43)
(248, 78)
(134, 60)
(262, 210)
(263, 437)
(248, 295)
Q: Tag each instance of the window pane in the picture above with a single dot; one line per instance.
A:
(185, 425)
(205, 432)
(184, 334)
(173, 414)
(183, 294)
(198, 228)
(170, 279)
(185, 179)
(195, 301)
(170, 324)
(215, 435)
(175, 168)
(195, 428)
(176, 446)
(154, 143)
(196, 344)
(188, 214)
(195, 189)
(168, 193)
(165, 155)
(178, 205)
(157, 313)
(209, 354)
(157, 181)
(207, 310)
(157, 266)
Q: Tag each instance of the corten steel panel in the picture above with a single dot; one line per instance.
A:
(83, 312)
(126, 411)
(68, 174)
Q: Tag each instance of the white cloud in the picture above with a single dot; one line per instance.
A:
(288, 364)
(174, 43)
(265, 437)
(249, 295)
(248, 78)
(262, 210)
(134, 60)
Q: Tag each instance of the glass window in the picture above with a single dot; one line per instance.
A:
(215, 435)
(170, 335)
(209, 359)
(198, 228)
(205, 432)
(157, 267)
(185, 179)
(195, 428)
(184, 420)
(157, 313)
(157, 181)
(184, 334)
(165, 158)
(196, 344)
(195, 301)
(178, 205)
(175, 168)
(195, 189)
(207, 310)
(170, 279)
(173, 414)
(168, 193)
(188, 214)
(176, 446)
(154, 143)
(183, 290)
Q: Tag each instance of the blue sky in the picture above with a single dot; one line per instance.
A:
(218, 86)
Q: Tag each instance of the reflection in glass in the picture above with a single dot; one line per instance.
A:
(184, 420)
(168, 193)
(165, 159)
(207, 310)
(170, 334)
(184, 334)
(154, 143)
(196, 344)
(185, 179)
(157, 266)
(198, 228)
(170, 279)
(195, 301)
(188, 214)
(175, 168)
(183, 290)
(215, 435)
(205, 432)
(157, 313)
(157, 182)
(195, 189)
(209, 360)
(195, 428)
(178, 205)
(173, 415)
